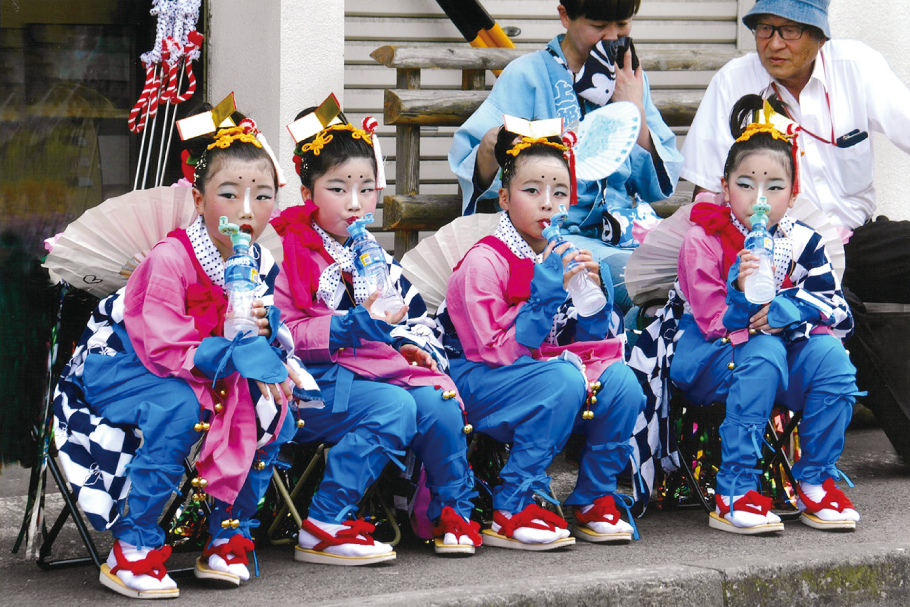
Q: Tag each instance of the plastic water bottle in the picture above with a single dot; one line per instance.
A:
(369, 260)
(587, 297)
(240, 281)
(760, 285)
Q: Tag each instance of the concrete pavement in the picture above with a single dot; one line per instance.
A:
(679, 561)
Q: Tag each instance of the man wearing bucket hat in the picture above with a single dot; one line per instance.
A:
(838, 91)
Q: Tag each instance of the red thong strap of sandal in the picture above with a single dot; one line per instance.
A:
(152, 564)
(345, 536)
(526, 517)
(752, 501)
(237, 545)
(834, 498)
(604, 510)
(451, 522)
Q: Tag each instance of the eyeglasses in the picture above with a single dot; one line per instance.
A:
(787, 32)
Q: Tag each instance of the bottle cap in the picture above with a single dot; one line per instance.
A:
(358, 227)
(238, 237)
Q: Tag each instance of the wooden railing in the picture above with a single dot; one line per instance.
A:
(409, 107)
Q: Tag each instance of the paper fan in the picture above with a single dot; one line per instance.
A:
(605, 139)
(652, 267)
(429, 264)
(98, 252)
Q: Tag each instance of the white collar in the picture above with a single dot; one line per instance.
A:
(507, 233)
(206, 252)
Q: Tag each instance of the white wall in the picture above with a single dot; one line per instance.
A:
(883, 25)
(278, 56)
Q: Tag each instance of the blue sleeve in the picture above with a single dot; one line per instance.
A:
(739, 309)
(252, 357)
(347, 331)
(785, 311)
(535, 319)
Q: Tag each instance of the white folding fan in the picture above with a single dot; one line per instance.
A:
(605, 139)
(429, 264)
(98, 252)
(652, 267)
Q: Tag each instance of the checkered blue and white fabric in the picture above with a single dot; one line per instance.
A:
(94, 453)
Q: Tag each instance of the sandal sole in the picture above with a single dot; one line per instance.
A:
(307, 555)
(452, 549)
(718, 522)
(817, 523)
(589, 535)
(202, 571)
(500, 541)
(113, 582)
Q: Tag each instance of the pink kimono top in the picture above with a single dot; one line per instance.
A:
(482, 300)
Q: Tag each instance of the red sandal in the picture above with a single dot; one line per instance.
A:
(533, 517)
(450, 522)
(833, 511)
(750, 515)
(231, 564)
(145, 578)
(354, 534)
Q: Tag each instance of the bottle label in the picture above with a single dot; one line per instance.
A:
(366, 259)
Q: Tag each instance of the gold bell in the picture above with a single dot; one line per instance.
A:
(199, 497)
(593, 400)
(731, 366)
(260, 465)
(468, 428)
(596, 386)
(724, 340)
(199, 482)
(235, 523)
(197, 426)
(219, 407)
(300, 423)
(222, 393)
(226, 523)
(587, 414)
(847, 351)
(201, 426)
(449, 394)
(752, 331)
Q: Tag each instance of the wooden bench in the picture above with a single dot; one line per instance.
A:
(409, 108)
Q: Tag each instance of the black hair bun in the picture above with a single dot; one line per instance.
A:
(743, 110)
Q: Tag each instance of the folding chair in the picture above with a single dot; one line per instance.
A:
(302, 467)
(696, 430)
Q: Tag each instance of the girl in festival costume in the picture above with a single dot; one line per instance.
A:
(152, 360)
(750, 356)
(382, 375)
(532, 366)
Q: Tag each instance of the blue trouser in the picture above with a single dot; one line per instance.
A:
(536, 405)
(254, 487)
(379, 423)
(814, 376)
(613, 266)
(123, 391)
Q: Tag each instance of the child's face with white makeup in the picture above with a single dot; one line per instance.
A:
(538, 187)
(759, 170)
(244, 192)
(345, 191)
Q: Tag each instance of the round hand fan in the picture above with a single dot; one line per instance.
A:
(652, 267)
(605, 139)
(429, 264)
(98, 252)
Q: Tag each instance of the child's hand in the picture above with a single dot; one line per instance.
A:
(585, 263)
(759, 322)
(285, 389)
(260, 313)
(747, 264)
(393, 318)
(418, 357)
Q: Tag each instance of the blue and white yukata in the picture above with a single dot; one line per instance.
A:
(528, 361)
(804, 367)
(539, 86)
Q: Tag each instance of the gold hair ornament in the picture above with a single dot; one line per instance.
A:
(225, 137)
(325, 136)
(763, 127)
(527, 142)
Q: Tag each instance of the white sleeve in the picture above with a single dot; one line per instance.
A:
(708, 141)
(888, 100)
